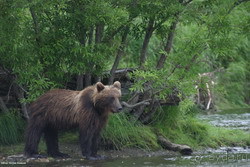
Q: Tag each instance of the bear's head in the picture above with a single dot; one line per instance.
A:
(106, 97)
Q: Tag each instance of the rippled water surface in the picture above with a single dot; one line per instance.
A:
(229, 120)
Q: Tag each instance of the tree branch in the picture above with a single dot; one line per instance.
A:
(168, 46)
(148, 35)
(144, 102)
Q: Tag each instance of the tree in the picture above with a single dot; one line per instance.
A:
(44, 44)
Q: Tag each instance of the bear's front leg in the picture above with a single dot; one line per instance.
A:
(94, 147)
(86, 143)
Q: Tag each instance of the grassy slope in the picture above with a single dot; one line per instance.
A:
(187, 129)
(199, 134)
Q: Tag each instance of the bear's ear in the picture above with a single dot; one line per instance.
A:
(99, 86)
(117, 84)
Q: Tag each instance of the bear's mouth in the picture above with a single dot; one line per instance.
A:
(116, 110)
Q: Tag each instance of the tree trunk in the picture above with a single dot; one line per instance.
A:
(3, 106)
(98, 39)
(88, 75)
(99, 33)
(118, 56)
(82, 38)
(90, 35)
(149, 32)
(35, 24)
(79, 82)
(168, 46)
(87, 79)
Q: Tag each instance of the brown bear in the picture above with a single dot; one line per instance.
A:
(64, 109)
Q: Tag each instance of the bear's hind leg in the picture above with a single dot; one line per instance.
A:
(33, 135)
(51, 139)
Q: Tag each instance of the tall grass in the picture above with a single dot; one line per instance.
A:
(11, 128)
(123, 132)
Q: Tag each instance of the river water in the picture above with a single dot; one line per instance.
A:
(224, 156)
(229, 119)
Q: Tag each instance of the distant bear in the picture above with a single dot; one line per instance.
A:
(64, 109)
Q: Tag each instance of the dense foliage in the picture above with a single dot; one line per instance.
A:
(44, 44)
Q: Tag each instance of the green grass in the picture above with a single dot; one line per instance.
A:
(12, 149)
(11, 128)
(123, 131)
(228, 137)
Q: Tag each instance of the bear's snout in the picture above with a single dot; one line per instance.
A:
(120, 109)
(117, 109)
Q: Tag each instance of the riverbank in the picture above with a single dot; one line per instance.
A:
(206, 134)
(223, 156)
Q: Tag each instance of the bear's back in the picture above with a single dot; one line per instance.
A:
(60, 107)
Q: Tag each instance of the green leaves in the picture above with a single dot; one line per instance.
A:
(74, 37)
(37, 87)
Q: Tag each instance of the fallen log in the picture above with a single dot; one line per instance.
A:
(166, 144)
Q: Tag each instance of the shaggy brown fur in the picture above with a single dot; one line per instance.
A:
(64, 109)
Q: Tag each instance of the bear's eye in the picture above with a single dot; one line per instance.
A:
(111, 98)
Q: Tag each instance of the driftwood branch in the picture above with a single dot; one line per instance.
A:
(144, 102)
(166, 144)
